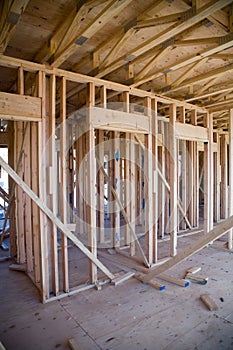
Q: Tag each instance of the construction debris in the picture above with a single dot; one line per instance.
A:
(196, 278)
(154, 284)
(119, 279)
(193, 269)
(209, 302)
(178, 281)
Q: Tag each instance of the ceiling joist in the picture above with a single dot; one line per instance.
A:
(11, 13)
(167, 34)
(112, 9)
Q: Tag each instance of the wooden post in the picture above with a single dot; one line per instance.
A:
(206, 188)
(127, 187)
(125, 101)
(208, 173)
(223, 186)
(149, 186)
(100, 181)
(63, 167)
(173, 181)
(21, 254)
(184, 179)
(167, 176)
(190, 182)
(52, 181)
(230, 233)
(28, 208)
(154, 131)
(91, 178)
(11, 161)
(132, 198)
(211, 179)
(116, 186)
(217, 176)
(196, 185)
(35, 211)
(42, 191)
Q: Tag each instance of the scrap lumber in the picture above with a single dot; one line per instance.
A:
(193, 269)
(171, 279)
(196, 278)
(74, 345)
(193, 248)
(54, 219)
(154, 284)
(209, 302)
(119, 279)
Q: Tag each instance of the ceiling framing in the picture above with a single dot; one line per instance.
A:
(178, 48)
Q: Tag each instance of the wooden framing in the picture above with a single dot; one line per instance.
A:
(69, 161)
(17, 107)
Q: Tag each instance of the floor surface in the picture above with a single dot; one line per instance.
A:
(129, 316)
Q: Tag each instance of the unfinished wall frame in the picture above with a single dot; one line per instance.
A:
(115, 159)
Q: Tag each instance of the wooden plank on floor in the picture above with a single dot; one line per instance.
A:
(120, 279)
(171, 279)
(193, 248)
(154, 284)
(209, 302)
(74, 344)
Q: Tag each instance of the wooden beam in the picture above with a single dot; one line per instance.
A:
(167, 34)
(154, 179)
(66, 31)
(53, 183)
(202, 77)
(188, 72)
(148, 183)
(20, 107)
(63, 167)
(28, 207)
(35, 210)
(91, 183)
(84, 79)
(190, 132)
(224, 177)
(116, 120)
(175, 17)
(173, 181)
(54, 219)
(211, 93)
(193, 248)
(110, 10)
(151, 64)
(11, 13)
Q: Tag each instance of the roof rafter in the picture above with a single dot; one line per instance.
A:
(167, 34)
(11, 13)
(202, 77)
(189, 71)
(201, 96)
(110, 10)
(224, 42)
(67, 29)
(126, 33)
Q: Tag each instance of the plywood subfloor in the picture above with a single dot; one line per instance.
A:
(129, 316)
